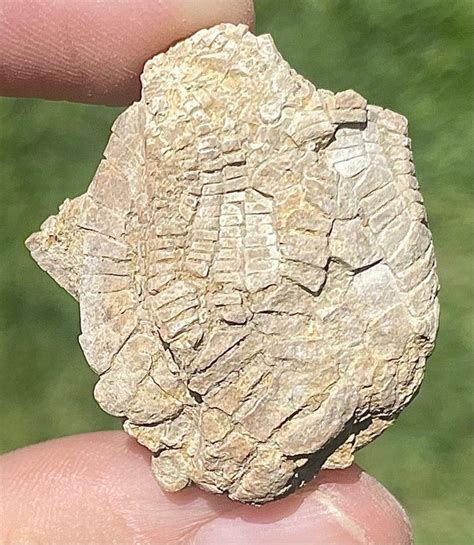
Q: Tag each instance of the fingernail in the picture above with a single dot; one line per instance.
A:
(371, 506)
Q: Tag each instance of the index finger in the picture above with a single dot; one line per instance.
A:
(93, 51)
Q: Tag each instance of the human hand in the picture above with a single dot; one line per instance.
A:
(98, 488)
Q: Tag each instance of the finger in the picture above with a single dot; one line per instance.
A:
(93, 51)
(98, 488)
(341, 507)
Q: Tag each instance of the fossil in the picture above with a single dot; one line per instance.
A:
(253, 265)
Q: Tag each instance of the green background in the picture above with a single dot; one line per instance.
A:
(412, 57)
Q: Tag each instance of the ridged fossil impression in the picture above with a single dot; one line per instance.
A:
(254, 269)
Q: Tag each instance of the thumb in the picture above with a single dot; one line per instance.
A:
(98, 488)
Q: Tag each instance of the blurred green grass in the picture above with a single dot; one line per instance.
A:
(415, 58)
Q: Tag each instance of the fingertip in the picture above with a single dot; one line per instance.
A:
(94, 51)
(393, 525)
(195, 15)
(98, 488)
(94, 488)
(341, 507)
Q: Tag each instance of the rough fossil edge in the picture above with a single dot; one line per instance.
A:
(58, 249)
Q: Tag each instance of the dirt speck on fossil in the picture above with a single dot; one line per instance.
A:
(254, 269)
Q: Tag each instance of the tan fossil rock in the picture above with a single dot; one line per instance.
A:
(254, 269)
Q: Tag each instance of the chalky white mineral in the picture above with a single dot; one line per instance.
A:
(254, 269)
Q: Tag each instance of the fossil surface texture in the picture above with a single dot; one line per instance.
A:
(253, 265)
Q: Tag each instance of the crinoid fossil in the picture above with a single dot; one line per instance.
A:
(254, 269)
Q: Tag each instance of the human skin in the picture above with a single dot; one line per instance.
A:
(98, 488)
